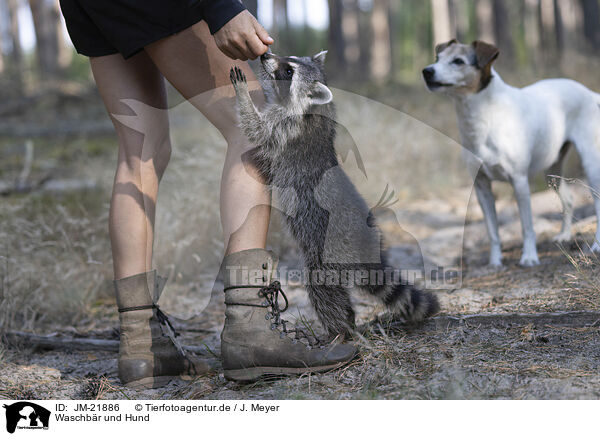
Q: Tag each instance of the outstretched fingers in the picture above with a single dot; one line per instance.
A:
(237, 76)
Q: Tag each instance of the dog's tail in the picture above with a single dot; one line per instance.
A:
(412, 304)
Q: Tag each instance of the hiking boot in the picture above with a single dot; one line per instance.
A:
(255, 340)
(149, 354)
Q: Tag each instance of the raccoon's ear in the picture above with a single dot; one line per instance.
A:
(320, 94)
(320, 57)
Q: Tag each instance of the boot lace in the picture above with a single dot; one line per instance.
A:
(271, 295)
(168, 330)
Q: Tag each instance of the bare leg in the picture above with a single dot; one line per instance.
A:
(483, 189)
(191, 61)
(141, 160)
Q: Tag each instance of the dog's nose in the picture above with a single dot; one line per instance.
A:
(428, 73)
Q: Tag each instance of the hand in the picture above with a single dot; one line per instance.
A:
(243, 37)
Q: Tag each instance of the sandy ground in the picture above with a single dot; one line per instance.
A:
(508, 333)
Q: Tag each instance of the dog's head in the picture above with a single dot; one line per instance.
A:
(461, 68)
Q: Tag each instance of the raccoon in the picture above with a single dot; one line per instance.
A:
(293, 140)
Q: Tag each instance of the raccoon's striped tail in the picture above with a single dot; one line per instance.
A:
(412, 304)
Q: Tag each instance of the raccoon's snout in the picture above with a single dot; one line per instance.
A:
(269, 62)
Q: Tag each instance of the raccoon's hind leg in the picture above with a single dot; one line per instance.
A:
(334, 308)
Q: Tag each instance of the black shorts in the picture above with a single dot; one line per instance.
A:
(104, 27)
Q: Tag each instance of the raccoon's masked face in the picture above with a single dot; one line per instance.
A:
(295, 82)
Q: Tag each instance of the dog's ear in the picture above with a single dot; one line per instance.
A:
(441, 47)
(485, 53)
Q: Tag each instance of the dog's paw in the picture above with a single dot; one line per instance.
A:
(562, 237)
(238, 78)
(528, 260)
(496, 264)
(495, 258)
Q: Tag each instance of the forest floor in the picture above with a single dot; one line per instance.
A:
(513, 333)
(502, 333)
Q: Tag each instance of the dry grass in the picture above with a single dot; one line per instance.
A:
(584, 282)
(56, 271)
(54, 264)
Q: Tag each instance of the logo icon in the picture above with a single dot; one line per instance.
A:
(26, 415)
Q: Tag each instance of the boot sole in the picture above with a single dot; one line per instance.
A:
(255, 373)
(156, 382)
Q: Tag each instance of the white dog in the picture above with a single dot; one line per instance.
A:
(517, 132)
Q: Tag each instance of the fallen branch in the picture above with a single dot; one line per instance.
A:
(60, 91)
(56, 342)
(32, 130)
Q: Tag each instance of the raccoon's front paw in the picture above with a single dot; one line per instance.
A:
(238, 79)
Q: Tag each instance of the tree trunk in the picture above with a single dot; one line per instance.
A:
(548, 20)
(559, 27)
(393, 13)
(381, 60)
(591, 21)
(502, 30)
(2, 51)
(440, 14)
(336, 37)
(459, 15)
(48, 35)
(16, 53)
(485, 21)
(350, 30)
(305, 26)
(531, 26)
(280, 22)
(65, 52)
(572, 20)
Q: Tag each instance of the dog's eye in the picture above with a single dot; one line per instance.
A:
(458, 61)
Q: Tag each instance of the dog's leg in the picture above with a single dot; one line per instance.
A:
(566, 198)
(587, 142)
(564, 193)
(483, 189)
(596, 244)
(522, 193)
(592, 170)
